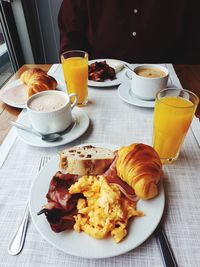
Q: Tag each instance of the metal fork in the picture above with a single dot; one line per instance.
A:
(18, 239)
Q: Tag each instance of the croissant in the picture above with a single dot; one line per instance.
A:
(139, 166)
(37, 80)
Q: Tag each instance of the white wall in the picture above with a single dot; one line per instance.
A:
(22, 31)
(47, 17)
(47, 12)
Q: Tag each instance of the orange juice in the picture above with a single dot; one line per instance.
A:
(172, 119)
(75, 71)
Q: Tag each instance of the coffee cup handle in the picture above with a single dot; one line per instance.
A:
(127, 75)
(75, 101)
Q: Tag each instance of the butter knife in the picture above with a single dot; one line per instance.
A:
(164, 246)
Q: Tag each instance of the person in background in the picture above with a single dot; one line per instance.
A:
(136, 31)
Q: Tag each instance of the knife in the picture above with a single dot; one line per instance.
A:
(164, 246)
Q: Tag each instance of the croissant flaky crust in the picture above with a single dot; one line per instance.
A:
(139, 166)
(37, 80)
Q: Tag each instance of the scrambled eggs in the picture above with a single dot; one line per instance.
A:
(104, 209)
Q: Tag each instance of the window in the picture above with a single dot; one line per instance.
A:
(11, 56)
(5, 65)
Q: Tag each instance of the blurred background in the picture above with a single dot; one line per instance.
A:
(28, 33)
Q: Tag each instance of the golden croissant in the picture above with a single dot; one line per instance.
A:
(37, 80)
(139, 166)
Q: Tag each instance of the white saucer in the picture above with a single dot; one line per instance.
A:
(109, 83)
(80, 244)
(79, 126)
(15, 93)
(125, 93)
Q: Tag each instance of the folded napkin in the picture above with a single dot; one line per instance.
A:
(56, 72)
(195, 126)
(7, 144)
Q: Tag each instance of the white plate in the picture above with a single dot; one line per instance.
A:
(15, 94)
(109, 83)
(80, 244)
(125, 93)
(79, 126)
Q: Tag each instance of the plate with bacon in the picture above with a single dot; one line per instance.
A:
(106, 72)
(88, 201)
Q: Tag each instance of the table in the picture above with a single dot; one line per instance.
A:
(114, 122)
(189, 76)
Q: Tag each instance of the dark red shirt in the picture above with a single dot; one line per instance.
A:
(136, 31)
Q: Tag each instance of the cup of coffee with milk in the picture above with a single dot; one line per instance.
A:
(146, 80)
(50, 111)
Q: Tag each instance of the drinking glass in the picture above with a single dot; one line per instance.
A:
(75, 70)
(174, 110)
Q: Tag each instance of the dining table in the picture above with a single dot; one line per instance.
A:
(112, 122)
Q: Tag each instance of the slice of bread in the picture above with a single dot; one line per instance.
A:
(85, 160)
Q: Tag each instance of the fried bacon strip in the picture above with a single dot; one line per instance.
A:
(100, 71)
(61, 206)
(112, 177)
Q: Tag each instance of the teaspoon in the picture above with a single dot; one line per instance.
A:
(45, 137)
(127, 66)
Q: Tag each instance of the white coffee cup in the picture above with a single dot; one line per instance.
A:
(146, 87)
(50, 111)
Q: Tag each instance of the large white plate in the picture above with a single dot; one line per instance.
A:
(79, 126)
(126, 94)
(80, 244)
(15, 94)
(109, 83)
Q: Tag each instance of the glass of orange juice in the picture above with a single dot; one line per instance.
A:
(174, 110)
(75, 70)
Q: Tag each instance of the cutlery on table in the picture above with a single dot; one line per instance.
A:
(165, 249)
(45, 137)
(127, 66)
(18, 239)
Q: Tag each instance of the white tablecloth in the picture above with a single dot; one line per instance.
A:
(112, 121)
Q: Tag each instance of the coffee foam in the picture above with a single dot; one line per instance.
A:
(47, 103)
(150, 73)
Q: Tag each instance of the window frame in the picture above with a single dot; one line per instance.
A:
(10, 35)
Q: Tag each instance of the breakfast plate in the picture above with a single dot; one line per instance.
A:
(80, 244)
(78, 127)
(14, 94)
(126, 94)
(109, 83)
